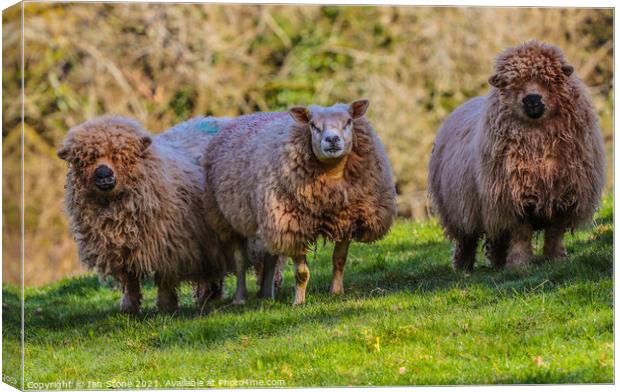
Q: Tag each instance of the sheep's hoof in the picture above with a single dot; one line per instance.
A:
(337, 290)
(168, 308)
(464, 271)
(558, 255)
(497, 264)
(129, 306)
(517, 261)
(300, 299)
(267, 293)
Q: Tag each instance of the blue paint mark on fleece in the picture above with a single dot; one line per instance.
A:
(209, 126)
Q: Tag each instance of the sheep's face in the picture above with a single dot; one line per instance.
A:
(102, 153)
(532, 81)
(331, 128)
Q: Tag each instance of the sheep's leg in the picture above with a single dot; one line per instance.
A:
(206, 290)
(258, 271)
(280, 265)
(339, 258)
(302, 275)
(496, 250)
(554, 247)
(217, 289)
(241, 258)
(167, 299)
(465, 253)
(130, 301)
(267, 289)
(520, 248)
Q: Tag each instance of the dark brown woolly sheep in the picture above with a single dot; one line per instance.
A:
(528, 156)
(135, 208)
(288, 178)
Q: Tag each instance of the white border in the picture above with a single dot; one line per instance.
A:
(531, 3)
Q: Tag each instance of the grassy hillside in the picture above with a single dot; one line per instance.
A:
(406, 319)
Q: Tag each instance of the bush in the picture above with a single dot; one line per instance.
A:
(164, 63)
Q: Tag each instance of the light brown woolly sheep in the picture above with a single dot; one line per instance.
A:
(135, 208)
(528, 156)
(287, 178)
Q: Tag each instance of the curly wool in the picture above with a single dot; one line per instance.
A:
(263, 180)
(155, 223)
(491, 169)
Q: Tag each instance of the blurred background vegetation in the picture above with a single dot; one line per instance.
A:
(164, 63)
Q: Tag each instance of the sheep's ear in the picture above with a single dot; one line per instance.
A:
(497, 81)
(64, 153)
(300, 114)
(358, 108)
(146, 142)
(568, 69)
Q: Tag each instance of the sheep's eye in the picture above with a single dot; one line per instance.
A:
(349, 121)
(314, 128)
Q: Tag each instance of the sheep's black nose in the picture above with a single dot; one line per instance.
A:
(104, 178)
(533, 105)
(103, 171)
(332, 139)
(532, 99)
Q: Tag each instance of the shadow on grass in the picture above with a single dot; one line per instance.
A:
(82, 302)
(429, 269)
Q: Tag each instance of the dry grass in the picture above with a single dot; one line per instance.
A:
(163, 63)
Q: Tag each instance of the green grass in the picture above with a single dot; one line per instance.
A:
(406, 319)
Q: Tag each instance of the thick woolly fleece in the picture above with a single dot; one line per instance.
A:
(264, 181)
(492, 168)
(153, 222)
